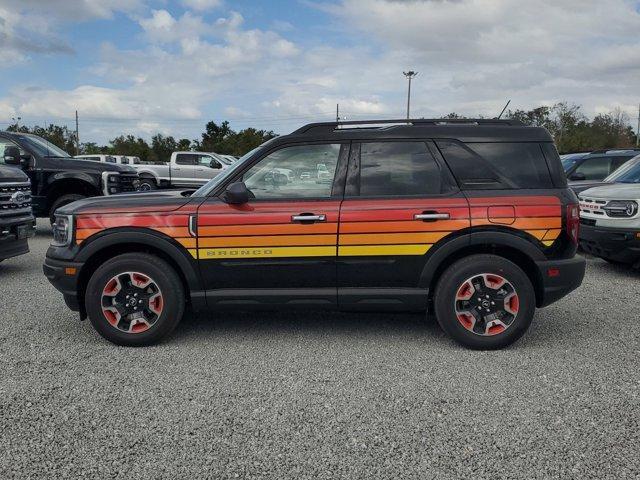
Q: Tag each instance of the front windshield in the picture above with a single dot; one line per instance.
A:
(42, 147)
(627, 173)
(224, 174)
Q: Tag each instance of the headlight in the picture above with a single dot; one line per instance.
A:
(621, 208)
(62, 231)
(113, 178)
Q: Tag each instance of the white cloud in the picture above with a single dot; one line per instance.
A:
(202, 5)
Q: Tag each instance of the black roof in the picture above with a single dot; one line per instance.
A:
(468, 130)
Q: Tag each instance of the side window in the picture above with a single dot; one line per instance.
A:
(497, 165)
(109, 159)
(4, 143)
(594, 168)
(398, 169)
(207, 161)
(125, 161)
(304, 171)
(185, 159)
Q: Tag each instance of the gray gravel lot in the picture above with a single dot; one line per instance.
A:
(319, 395)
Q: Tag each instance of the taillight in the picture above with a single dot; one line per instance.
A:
(573, 222)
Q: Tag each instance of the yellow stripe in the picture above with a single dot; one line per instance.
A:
(548, 243)
(262, 252)
(373, 250)
(194, 253)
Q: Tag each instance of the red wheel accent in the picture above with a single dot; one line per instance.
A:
(486, 304)
(132, 302)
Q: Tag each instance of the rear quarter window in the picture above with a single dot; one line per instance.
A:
(496, 165)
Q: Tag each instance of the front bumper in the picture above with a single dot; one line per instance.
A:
(616, 244)
(63, 275)
(559, 278)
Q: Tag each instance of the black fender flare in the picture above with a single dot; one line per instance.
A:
(92, 180)
(167, 245)
(482, 238)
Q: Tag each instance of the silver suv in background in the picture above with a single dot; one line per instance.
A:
(610, 222)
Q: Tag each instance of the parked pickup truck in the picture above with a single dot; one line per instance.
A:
(185, 169)
(58, 179)
(17, 223)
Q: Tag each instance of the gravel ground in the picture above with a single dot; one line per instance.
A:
(319, 395)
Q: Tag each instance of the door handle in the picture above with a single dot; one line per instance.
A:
(431, 216)
(309, 218)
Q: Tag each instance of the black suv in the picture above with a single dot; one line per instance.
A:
(16, 220)
(471, 219)
(58, 179)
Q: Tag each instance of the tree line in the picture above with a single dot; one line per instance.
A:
(571, 129)
(216, 138)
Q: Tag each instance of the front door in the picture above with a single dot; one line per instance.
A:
(207, 167)
(281, 245)
(400, 202)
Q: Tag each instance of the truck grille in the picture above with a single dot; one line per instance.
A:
(127, 182)
(15, 200)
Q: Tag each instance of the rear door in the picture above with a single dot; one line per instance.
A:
(400, 201)
(183, 170)
(281, 245)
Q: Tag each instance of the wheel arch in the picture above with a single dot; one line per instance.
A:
(65, 185)
(512, 247)
(105, 246)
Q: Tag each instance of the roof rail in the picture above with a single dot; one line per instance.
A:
(330, 126)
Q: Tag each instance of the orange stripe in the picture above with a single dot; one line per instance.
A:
(83, 233)
(284, 229)
(187, 242)
(552, 234)
(526, 223)
(392, 238)
(274, 241)
(409, 226)
(539, 234)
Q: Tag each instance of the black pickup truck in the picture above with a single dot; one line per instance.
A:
(57, 178)
(17, 223)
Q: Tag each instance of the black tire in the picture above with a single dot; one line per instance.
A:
(453, 279)
(61, 202)
(156, 269)
(147, 184)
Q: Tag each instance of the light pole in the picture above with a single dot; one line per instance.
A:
(410, 75)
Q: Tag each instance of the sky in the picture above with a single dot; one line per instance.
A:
(168, 66)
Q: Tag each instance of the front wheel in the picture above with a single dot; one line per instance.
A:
(484, 302)
(135, 299)
(147, 184)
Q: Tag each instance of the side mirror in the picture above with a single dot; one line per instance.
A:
(577, 176)
(12, 155)
(236, 194)
(214, 164)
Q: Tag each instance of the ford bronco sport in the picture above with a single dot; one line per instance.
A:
(472, 220)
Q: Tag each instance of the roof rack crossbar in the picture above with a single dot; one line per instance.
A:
(330, 126)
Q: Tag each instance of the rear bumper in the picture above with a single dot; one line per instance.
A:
(559, 278)
(58, 274)
(617, 244)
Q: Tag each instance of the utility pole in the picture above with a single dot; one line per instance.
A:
(410, 75)
(337, 113)
(77, 136)
(638, 130)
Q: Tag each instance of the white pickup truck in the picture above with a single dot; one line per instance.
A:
(185, 169)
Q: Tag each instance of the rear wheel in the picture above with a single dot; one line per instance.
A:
(135, 299)
(484, 302)
(61, 202)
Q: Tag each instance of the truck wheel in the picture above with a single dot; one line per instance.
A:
(147, 184)
(61, 202)
(484, 302)
(135, 299)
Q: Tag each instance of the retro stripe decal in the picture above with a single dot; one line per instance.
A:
(366, 227)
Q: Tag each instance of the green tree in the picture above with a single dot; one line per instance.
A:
(163, 147)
